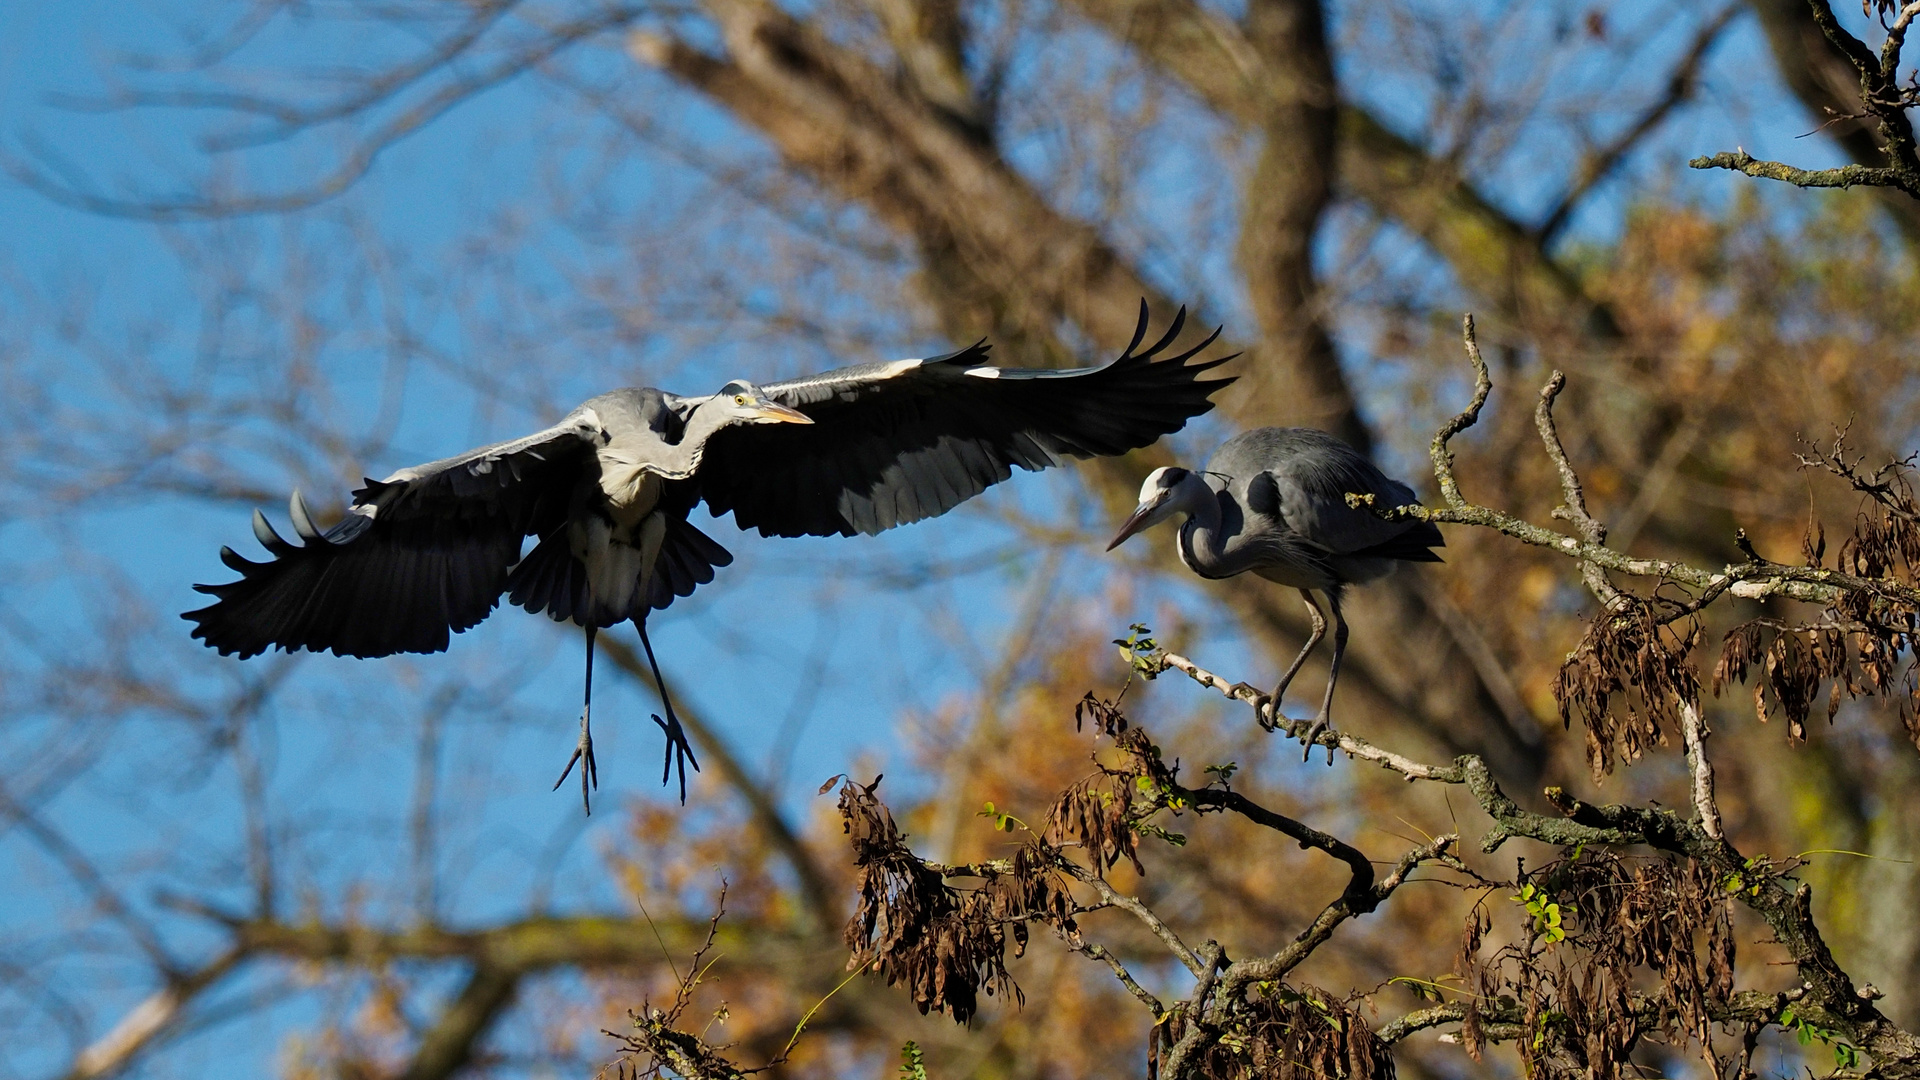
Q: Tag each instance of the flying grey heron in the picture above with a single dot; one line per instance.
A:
(608, 490)
(1272, 501)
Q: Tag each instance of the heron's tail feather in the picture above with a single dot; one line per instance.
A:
(1411, 546)
(687, 560)
(550, 580)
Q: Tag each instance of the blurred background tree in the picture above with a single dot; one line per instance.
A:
(260, 245)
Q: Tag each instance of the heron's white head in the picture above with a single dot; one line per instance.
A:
(744, 403)
(1165, 493)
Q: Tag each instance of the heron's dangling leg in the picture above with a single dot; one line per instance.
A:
(583, 750)
(1325, 720)
(1319, 631)
(679, 751)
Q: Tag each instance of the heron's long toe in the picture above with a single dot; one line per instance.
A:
(583, 755)
(1322, 724)
(679, 751)
(1267, 711)
(1279, 694)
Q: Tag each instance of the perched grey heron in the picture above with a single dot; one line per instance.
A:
(608, 490)
(1273, 501)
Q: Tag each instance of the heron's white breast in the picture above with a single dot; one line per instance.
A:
(631, 489)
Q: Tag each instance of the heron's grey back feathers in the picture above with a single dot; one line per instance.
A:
(1291, 484)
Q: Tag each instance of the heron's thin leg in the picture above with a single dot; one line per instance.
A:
(1325, 720)
(583, 750)
(1319, 631)
(679, 751)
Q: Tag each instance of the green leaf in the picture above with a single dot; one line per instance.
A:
(913, 1064)
(1002, 822)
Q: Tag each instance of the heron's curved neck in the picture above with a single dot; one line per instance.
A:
(679, 460)
(1205, 539)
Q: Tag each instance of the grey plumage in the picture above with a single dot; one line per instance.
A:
(607, 491)
(1272, 502)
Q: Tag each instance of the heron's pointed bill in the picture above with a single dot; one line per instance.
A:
(772, 411)
(1143, 516)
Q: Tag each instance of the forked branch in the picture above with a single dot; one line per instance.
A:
(1883, 99)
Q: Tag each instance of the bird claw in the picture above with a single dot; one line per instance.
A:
(679, 751)
(1266, 708)
(1322, 724)
(589, 769)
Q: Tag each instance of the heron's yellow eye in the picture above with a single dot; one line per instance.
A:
(739, 399)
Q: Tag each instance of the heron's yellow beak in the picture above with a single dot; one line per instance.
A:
(767, 410)
(1142, 517)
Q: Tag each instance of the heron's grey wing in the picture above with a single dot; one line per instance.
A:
(894, 443)
(421, 554)
(488, 475)
(1303, 476)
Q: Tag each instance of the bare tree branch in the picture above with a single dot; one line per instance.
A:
(837, 117)
(58, 181)
(1597, 166)
(1881, 97)
(1490, 252)
(150, 1021)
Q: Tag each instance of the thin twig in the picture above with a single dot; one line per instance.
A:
(1096, 951)
(1138, 910)
(1844, 176)
(1276, 967)
(1197, 1010)
(1466, 418)
(1575, 507)
(1394, 1030)
(151, 1020)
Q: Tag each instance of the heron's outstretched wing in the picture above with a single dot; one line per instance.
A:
(894, 443)
(423, 553)
(1302, 477)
